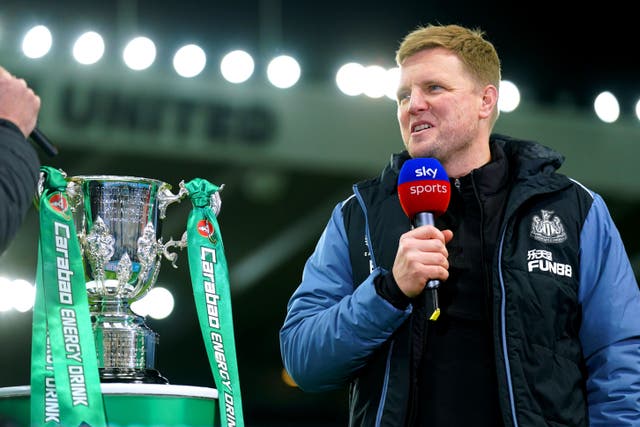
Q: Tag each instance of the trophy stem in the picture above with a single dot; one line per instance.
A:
(125, 345)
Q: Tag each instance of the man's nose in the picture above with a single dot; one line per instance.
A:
(418, 102)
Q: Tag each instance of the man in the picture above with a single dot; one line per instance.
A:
(19, 163)
(539, 326)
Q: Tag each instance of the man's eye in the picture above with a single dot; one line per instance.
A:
(403, 97)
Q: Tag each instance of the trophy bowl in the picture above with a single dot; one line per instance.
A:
(118, 222)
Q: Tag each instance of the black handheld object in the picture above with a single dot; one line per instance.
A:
(420, 219)
(43, 142)
(424, 192)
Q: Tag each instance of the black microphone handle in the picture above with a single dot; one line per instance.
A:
(423, 218)
(420, 219)
(43, 142)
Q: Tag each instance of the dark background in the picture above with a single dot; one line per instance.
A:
(560, 56)
(560, 52)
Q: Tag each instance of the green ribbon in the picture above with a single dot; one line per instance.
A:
(65, 383)
(210, 280)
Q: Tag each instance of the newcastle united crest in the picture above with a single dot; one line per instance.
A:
(548, 229)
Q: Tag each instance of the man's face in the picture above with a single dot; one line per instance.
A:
(439, 106)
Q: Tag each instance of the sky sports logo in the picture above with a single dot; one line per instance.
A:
(423, 186)
(417, 189)
(426, 172)
(430, 185)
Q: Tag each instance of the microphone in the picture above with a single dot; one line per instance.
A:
(43, 142)
(424, 192)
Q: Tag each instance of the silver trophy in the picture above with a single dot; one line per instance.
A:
(118, 222)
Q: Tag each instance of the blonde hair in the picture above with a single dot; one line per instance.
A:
(477, 54)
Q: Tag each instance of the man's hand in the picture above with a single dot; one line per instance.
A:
(18, 103)
(422, 256)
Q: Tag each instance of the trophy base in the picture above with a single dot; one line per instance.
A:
(131, 376)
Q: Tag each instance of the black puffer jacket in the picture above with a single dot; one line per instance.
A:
(19, 170)
(563, 305)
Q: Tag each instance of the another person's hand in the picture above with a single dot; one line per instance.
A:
(18, 103)
(422, 256)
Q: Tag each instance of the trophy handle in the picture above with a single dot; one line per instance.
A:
(216, 202)
(166, 197)
(172, 256)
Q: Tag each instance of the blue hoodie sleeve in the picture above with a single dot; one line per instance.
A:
(332, 327)
(610, 332)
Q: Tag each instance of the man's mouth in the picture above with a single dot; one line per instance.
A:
(419, 127)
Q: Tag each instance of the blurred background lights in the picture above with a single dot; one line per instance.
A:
(158, 303)
(37, 42)
(24, 295)
(606, 107)
(349, 79)
(392, 80)
(375, 81)
(16, 295)
(283, 71)
(6, 295)
(189, 60)
(237, 66)
(509, 98)
(88, 48)
(139, 53)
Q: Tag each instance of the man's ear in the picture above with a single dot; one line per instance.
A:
(489, 101)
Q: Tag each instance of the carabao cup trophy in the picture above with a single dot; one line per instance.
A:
(100, 249)
(118, 221)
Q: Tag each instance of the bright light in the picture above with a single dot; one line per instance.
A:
(89, 48)
(349, 79)
(16, 294)
(6, 295)
(24, 295)
(375, 81)
(509, 98)
(606, 107)
(638, 109)
(158, 303)
(283, 71)
(392, 81)
(237, 66)
(189, 60)
(139, 53)
(37, 42)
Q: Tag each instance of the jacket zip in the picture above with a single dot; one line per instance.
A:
(503, 333)
(385, 386)
(372, 258)
(373, 265)
(458, 186)
(483, 267)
